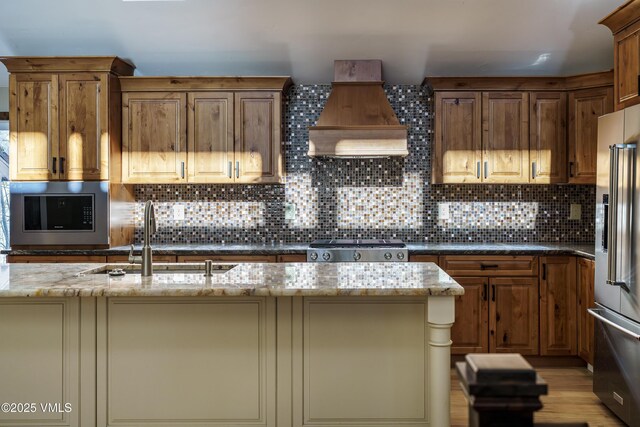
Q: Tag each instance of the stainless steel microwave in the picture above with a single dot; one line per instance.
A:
(59, 213)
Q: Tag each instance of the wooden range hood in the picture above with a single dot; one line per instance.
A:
(357, 120)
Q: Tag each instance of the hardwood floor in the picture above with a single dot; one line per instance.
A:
(570, 399)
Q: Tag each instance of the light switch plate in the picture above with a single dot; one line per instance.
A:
(575, 211)
(178, 212)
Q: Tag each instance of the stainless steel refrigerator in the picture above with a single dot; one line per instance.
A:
(616, 378)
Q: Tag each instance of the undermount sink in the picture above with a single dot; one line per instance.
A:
(164, 269)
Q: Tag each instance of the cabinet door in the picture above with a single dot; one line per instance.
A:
(626, 66)
(585, 300)
(513, 315)
(585, 106)
(458, 143)
(257, 137)
(84, 121)
(210, 137)
(470, 331)
(548, 137)
(558, 302)
(505, 137)
(33, 124)
(154, 137)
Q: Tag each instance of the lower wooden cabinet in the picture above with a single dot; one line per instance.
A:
(470, 331)
(292, 258)
(227, 258)
(586, 299)
(558, 302)
(513, 315)
(16, 259)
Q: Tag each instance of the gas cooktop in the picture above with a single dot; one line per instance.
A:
(357, 250)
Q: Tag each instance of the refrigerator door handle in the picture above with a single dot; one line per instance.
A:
(621, 187)
(613, 214)
(594, 313)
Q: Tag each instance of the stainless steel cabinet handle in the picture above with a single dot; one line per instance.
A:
(533, 170)
(182, 170)
(237, 169)
(486, 169)
(627, 332)
(478, 169)
(229, 171)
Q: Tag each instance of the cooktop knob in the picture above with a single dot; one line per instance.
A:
(313, 256)
(400, 255)
(326, 256)
(388, 256)
(357, 255)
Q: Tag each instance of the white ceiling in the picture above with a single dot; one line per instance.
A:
(301, 38)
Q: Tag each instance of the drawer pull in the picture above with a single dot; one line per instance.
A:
(488, 266)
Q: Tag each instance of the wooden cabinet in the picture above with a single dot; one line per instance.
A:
(517, 129)
(548, 137)
(469, 333)
(291, 258)
(499, 310)
(513, 315)
(210, 140)
(154, 137)
(457, 155)
(586, 299)
(227, 258)
(15, 259)
(585, 106)
(505, 140)
(61, 117)
(625, 25)
(558, 302)
(202, 130)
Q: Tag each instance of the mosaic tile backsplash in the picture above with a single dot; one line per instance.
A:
(368, 198)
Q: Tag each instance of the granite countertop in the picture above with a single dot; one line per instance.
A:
(579, 249)
(245, 279)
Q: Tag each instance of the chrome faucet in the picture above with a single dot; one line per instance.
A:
(147, 253)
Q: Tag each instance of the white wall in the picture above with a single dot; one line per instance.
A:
(4, 98)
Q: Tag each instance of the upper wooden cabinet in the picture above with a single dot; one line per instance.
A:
(457, 153)
(585, 106)
(202, 129)
(505, 143)
(63, 117)
(514, 129)
(547, 137)
(624, 23)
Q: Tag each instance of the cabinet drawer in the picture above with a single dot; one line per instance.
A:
(292, 258)
(16, 259)
(494, 266)
(423, 258)
(156, 258)
(227, 258)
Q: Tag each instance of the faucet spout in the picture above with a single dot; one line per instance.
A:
(149, 229)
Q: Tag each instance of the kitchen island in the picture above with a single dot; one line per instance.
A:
(254, 345)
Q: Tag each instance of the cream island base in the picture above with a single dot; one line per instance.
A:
(260, 345)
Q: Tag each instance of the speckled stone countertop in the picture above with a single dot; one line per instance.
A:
(584, 250)
(245, 279)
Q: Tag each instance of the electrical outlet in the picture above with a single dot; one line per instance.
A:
(289, 212)
(443, 211)
(178, 212)
(575, 211)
